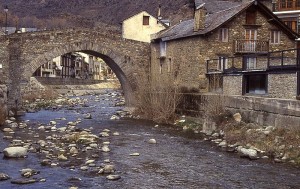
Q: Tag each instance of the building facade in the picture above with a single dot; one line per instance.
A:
(140, 26)
(242, 50)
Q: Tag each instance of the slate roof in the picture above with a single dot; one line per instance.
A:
(213, 6)
(213, 21)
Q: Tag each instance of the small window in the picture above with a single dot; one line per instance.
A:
(146, 20)
(223, 63)
(251, 17)
(275, 37)
(250, 63)
(223, 34)
(163, 49)
(255, 84)
(169, 65)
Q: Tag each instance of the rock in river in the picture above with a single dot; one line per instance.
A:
(4, 177)
(113, 177)
(23, 181)
(15, 152)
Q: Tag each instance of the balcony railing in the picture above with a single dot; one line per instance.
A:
(272, 61)
(284, 5)
(251, 46)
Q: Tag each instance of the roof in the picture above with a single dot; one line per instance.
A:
(214, 21)
(216, 5)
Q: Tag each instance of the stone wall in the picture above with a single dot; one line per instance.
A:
(232, 84)
(3, 102)
(260, 110)
(282, 85)
(266, 111)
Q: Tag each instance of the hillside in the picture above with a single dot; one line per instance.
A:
(88, 13)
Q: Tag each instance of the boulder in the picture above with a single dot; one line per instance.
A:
(249, 153)
(113, 177)
(15, 152)
(4, 176)
(237, 117)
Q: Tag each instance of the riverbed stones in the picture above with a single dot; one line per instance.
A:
(23, 181)
(105, 148)
(135, 154)
(248, 153)
(61, 157)
(237, 117)
(4, 176)
(113, 177)
(152, 141)
(73, 150)
(7, 130)
(28, 172)
(15, 152)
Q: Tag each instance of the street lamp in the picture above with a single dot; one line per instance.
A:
(6, 10)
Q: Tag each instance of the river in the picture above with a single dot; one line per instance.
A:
(179, 159)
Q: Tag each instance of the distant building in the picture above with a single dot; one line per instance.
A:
(11, 30)
(140, 26)
(76, 65)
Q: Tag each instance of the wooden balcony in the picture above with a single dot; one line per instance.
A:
(251, 46)
(287, 5)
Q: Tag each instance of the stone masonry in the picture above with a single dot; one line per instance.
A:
(22, 53)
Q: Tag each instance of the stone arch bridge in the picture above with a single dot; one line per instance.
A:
(22, 53)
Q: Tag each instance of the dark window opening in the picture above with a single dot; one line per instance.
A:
(146, 20)
(251, 17)
(255, 84)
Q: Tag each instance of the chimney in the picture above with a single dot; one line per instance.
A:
(199, 17)
(159, 17)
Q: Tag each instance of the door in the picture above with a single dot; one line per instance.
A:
(250, 40)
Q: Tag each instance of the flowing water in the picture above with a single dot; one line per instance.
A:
(178, 160)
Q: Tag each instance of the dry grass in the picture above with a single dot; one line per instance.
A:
(158, 106)
(47, 94)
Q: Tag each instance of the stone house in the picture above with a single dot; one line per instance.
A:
(229, 47)
(140, 26)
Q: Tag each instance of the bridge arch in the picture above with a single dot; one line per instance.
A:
(114, 60)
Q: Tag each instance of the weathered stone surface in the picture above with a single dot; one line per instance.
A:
(15, 152)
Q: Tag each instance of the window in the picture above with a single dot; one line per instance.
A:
(250, 63)
(251, 17)
(223, 34)
(255, 84)
(162, 49)
(291, 24)
(223, 63)
(275, 37)
(146, 20)
(169, 65)
(297, 3)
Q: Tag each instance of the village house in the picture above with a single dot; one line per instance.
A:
(234, 48)
(140, 26)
